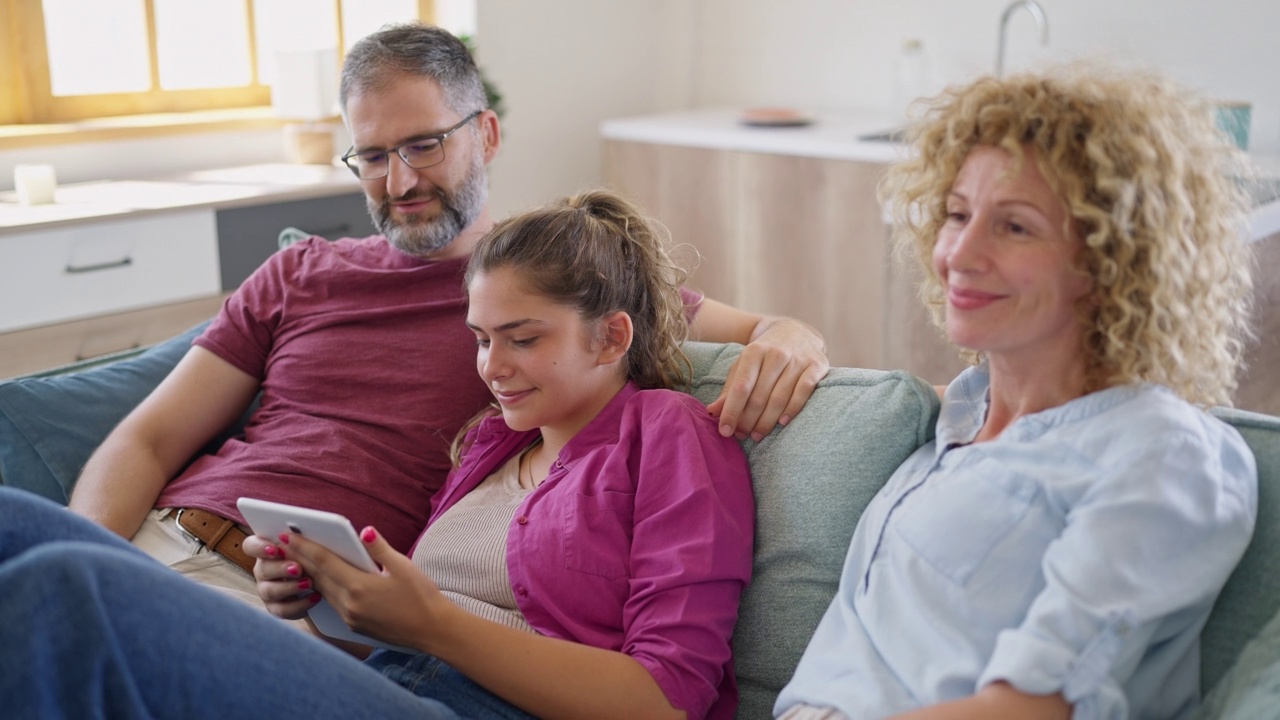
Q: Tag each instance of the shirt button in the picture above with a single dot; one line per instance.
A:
(522, 520)
(559, 464)
(521, 591)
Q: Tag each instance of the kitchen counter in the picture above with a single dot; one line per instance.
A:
(217, 189)
(834, 135)
(830, 135)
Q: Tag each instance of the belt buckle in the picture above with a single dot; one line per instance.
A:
(176, 514)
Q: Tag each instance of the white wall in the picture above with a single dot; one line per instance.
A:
(825, 53)
(563, 66)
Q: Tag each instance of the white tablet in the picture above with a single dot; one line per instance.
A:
(335, 532)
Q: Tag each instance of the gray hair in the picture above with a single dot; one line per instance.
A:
(413, 49)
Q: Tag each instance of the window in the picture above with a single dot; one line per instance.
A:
(68, 60)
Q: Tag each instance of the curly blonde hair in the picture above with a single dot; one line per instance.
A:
(1151, 185)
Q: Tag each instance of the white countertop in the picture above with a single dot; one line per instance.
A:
(830, 135)
(221, 188)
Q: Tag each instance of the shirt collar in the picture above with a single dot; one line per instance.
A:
(602, 430)
(964, 407)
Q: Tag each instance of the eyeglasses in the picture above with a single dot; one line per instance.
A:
(419, 153)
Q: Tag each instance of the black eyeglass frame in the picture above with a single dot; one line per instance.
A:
(399, 149)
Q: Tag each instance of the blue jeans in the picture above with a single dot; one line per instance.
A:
(430, 677)
(90, 627)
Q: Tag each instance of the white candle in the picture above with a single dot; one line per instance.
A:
(34, 184)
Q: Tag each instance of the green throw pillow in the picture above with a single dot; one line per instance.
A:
(812, 480)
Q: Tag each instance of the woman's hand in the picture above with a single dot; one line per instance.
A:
(284, 588)
(396, 604)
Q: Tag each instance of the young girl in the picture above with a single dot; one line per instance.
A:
(585, 559)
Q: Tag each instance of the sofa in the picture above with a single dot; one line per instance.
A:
(812, 479)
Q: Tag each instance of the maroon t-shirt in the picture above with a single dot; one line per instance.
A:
(368, 372)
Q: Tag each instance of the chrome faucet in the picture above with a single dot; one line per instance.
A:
(1042, 22)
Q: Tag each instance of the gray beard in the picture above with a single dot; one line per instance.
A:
(458, 209)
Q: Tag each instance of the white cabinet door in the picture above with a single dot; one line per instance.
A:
(106, 266)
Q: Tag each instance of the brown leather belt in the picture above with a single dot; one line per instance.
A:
(218, 534)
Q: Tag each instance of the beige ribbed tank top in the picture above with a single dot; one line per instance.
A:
(465, 550)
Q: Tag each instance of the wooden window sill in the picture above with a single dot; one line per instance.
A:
(138, 126)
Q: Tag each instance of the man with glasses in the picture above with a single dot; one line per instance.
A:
(359, 347)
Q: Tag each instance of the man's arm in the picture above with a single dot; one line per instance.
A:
(773, 377)
(124, 476)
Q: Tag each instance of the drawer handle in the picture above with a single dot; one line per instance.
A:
(81, 357)
(76, 269)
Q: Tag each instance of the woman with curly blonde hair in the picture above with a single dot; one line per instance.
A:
(1056, 549)
(1161, 220)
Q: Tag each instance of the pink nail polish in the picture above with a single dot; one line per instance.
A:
(284, 538)
(293, 570)
(304, 584)
(270, 551)
(369, 534)
(315, 599)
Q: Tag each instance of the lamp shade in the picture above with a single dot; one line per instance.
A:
(306, 86)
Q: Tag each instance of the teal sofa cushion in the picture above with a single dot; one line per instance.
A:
(1251, 688)
(812, 480)
(1251, 597)
(51, 422)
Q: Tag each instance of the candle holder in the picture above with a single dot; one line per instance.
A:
(35, 184)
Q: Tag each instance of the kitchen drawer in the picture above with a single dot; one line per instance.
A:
(249, 235)
(80, 271)
(27, 351)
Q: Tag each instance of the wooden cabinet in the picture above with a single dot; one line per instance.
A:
(692, 192)
(812, 245)
(81, 270)
(789, 235)
(47, 346)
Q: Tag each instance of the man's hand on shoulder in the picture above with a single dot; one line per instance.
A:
(773, 377)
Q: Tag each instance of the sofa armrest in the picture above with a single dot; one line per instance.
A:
(50, 422)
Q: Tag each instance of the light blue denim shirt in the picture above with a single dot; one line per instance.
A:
(1080, 552)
